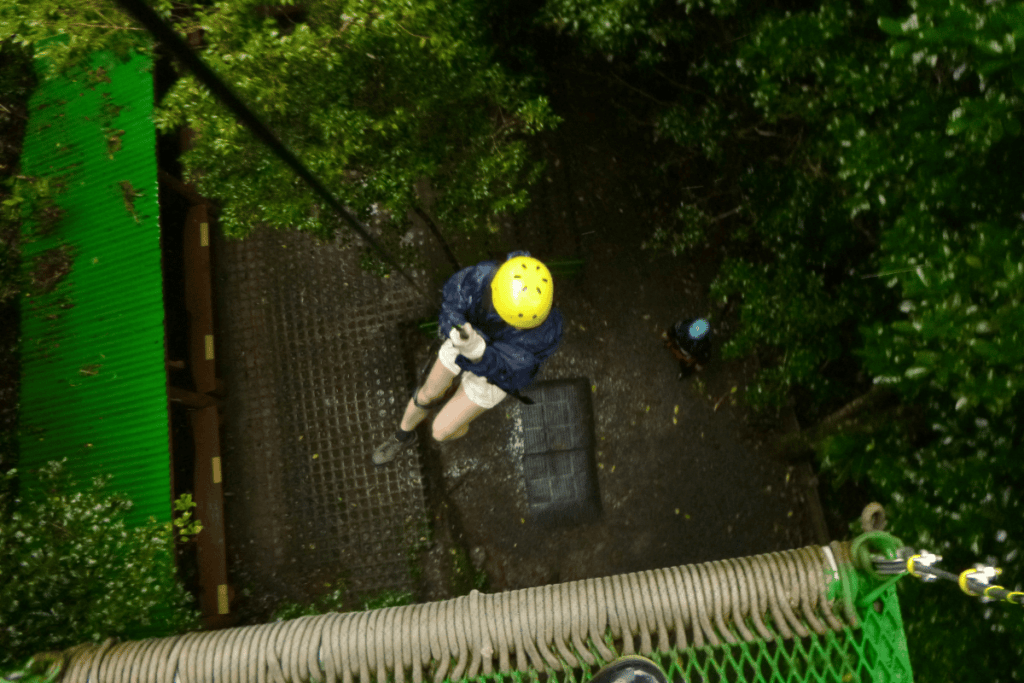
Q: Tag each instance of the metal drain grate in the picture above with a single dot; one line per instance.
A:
(558, 452)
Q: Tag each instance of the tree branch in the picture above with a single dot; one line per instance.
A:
(410, 32)
(733, 40)
(877, 396)
(681, 85)
(816, 170)
(728, 213)
(121, 28)
(638, 90)
(846, 419)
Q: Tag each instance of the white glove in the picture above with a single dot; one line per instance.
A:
(472, 347)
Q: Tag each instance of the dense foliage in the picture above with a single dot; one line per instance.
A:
(374, 98)
(16, 82)
(83, 26)
(394, 105)
(870, 199)
(73, 572)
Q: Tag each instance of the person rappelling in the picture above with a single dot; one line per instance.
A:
(509, 327)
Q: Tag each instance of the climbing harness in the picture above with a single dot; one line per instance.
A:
(525, 400)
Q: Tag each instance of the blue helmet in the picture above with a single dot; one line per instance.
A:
(698, 328)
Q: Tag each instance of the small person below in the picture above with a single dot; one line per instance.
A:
(690, 342)
(511, 326)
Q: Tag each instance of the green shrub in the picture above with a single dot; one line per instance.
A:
(73, 572)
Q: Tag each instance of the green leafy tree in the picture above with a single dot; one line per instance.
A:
(957, 351)
(866, 192)
(633, 30)
(71, 571)
(797, 240)
(954, 490)
(396, 105)
(377, 99)
(66, 33)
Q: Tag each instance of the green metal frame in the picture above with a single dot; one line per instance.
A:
(93, 362)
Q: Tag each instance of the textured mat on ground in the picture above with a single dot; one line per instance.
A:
(555, 440)
(310, 350)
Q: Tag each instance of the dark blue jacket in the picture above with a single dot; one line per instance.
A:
(513, 356)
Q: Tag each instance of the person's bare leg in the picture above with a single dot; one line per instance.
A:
(453, 420)
(438, 381)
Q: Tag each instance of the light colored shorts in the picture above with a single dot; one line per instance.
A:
(478, 389)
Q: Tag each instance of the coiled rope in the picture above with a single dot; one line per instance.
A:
(549, 628)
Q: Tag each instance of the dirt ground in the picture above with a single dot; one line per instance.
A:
(683, 472)
(684, 476)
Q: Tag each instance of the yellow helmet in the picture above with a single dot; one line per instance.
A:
(522, 291)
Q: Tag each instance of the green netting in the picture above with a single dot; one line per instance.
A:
(875, 653)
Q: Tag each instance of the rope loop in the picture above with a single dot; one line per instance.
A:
(549, 629)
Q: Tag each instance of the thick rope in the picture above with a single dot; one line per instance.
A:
(550, 628)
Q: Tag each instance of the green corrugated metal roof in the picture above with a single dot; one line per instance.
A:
(93, 375)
